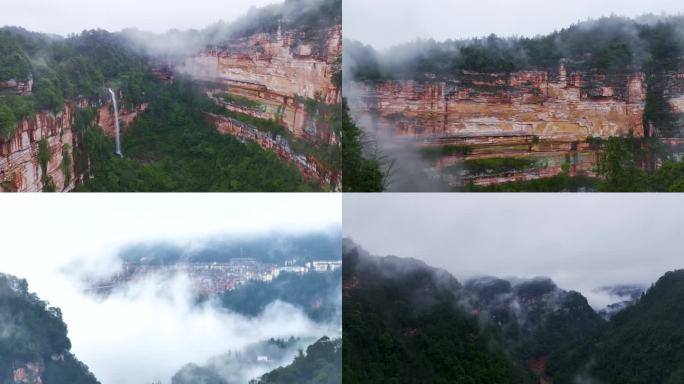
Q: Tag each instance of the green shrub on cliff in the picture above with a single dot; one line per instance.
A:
(44, 157)
(8, 122)
(360, 174)
(497, 165)
(328, 154)
(66, 163)
(624, 165)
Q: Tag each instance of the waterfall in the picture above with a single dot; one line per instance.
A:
(116, 121)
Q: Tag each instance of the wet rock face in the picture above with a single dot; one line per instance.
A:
(278, 71)
(308, 166)
(570, 108)
(544, 117)
(30, 373)
(18, 87)
(127, 116)
(20, 168)
(674, 90)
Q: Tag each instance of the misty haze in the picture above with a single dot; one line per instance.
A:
(512, 288)
(219, 97)
(587, 99)
(244, 297)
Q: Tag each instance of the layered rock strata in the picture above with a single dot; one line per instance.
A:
(310, 167)
(543, 116)
(570, 108)
(20, 168)
(280, 73)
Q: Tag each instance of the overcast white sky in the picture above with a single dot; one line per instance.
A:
(145, 334)
(581, 241)
(73, 16)
(384, 23)
(48, 231)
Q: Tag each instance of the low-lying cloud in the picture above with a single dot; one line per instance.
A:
(582, 242)
(146, 331)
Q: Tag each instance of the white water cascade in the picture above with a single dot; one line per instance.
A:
(116, 121)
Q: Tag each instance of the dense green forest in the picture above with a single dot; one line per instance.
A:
(624, 165)
(269, 248)
(402, 324)
(317, 294)
(70, 68)
(362, 173)
(406, 322)
(306, 16)
(33, 332)
(172, 147)
(534, 318)
(641, 344)
(609, 44)
(606, 46)
(322, 364)
(73, 68)
(328, 115)
(238, 367)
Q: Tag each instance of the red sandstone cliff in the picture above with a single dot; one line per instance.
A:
(277, 71)
(674, 90)
(18, 87)
(570, 108)
(126, 117)
(542, 116)
(19, 166)
(20, 169)
(308, 166)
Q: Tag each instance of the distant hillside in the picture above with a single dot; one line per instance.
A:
(34, 346)
(642, 344)
(238, 367)
(322, 364)
(274, 248)
(609, 44)
(303, 15)
(403, 322)
(534, 317)
(317, 294)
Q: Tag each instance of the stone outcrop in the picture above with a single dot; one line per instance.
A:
(542, 116)
(277, 71)
(20, 169)
(30, 373)
(126, 117)
(18, 87)
(569, 108)
(674, 91)
(308, 166)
